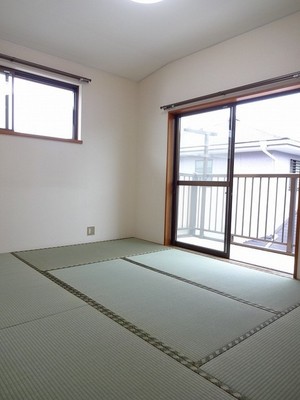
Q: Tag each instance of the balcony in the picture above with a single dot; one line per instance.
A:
(264, 210)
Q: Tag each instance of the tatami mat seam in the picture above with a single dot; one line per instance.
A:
(199, 285)
(42, 317)
(245, 336)
(75, 245)
(104, 260)
(19, 256)
(193, 365)
(177, 356)
(27, 262)
(236, 341)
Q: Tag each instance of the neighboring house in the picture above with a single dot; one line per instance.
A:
(262, 193)
(272, 156)
(269, 156)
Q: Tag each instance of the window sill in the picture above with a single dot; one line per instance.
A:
(19, 134)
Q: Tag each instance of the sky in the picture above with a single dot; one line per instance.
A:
(277, 117)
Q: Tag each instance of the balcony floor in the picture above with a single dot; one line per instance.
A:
(245, 254)
(262, 258)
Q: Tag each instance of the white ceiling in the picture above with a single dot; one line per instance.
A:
(130, 39)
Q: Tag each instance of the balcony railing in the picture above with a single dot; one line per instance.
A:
(264, 210)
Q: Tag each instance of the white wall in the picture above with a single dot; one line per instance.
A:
(51, 191)
(264, 53)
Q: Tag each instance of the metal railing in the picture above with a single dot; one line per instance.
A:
(264, 210)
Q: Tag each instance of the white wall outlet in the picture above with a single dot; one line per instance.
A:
(90, 230)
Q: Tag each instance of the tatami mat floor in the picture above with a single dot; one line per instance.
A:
(129, 319)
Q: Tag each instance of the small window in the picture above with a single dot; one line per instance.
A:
(35, 105)
(295, 166)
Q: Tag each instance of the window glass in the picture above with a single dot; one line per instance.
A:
(50, 109)
(5, 101)
(204, 143)
(295, 166)
(38, 106)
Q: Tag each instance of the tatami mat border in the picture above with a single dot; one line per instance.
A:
(19, 254)
(199, 285)
(105, 260)
(245, 336)
(228, 346)
(204, 360)
(75, 245)
(193, 365)
(175, 355)
(179, 357)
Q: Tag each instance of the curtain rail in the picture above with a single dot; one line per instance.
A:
(237, 90)
(44, 68)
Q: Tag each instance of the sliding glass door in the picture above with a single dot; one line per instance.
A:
(204, 172)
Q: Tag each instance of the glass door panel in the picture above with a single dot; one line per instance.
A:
(266, 180)
(203, 180)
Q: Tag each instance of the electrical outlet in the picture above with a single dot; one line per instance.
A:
(90, 230)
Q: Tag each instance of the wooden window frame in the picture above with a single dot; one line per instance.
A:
(255, 94)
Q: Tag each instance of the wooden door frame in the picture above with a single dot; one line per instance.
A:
(170, 170)
(170, 177)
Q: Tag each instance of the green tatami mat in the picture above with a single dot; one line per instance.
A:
(10, 264)
(271, 291)
(59, 257)
(26, 295)
(265, 366)
(192, 321)
(82, 355)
